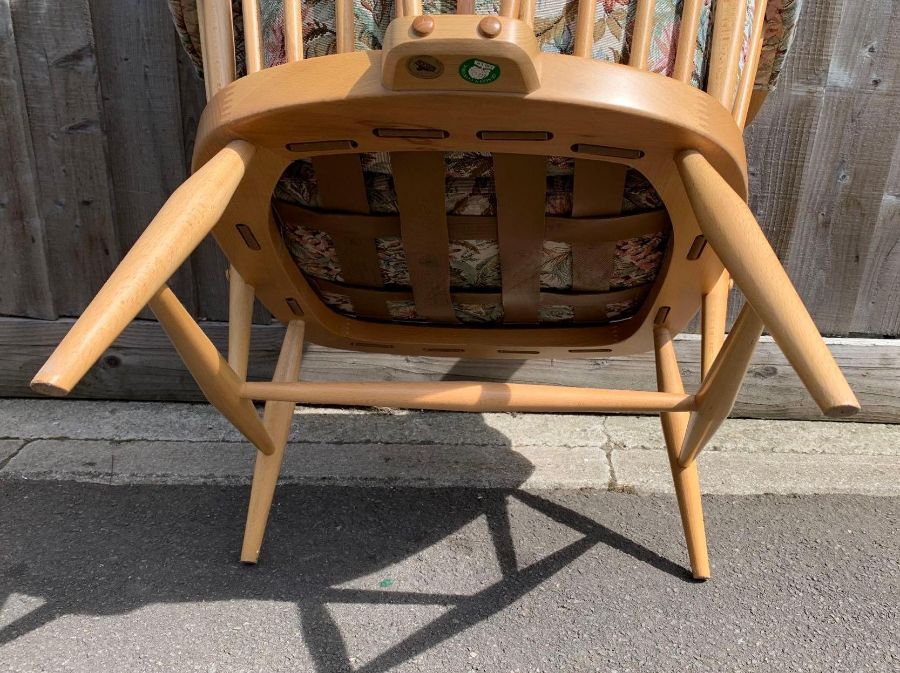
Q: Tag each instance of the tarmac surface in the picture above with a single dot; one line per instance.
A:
(144, 577)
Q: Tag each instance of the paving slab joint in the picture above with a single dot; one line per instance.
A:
(5, 461)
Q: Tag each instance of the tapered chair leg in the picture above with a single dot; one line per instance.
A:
(277, 420)
(182, 223)
(719, 390)
(735, 236)
(687, 481)
(216, 379)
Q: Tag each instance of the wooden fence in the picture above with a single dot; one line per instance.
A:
(98, 108)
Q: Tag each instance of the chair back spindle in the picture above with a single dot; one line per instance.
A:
(725, 52)
(686, 50)
(253, 48)
(293, 30)
(639, 55)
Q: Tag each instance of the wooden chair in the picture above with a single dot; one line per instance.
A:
(470, 83)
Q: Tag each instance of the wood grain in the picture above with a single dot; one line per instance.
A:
(23, 255)
(141, 96)
(142, 365)
(58, 65)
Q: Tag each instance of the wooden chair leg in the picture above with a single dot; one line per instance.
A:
(713, 317)
(240, 319)
(216, 379)
(184, 221)
(277, 420)
(687, 481)
(735, 236)
(719, 389)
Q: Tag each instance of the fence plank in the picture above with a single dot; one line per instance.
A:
(845, 179)
(23, 256)
(878, 304)
(55, 44)
(137, 61)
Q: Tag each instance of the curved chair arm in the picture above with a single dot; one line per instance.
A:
(184, 221)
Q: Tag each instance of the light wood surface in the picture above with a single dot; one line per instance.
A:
(293, 30)
(686, 478)
(734, 234)
(725, 49)
(188, 216)
(713, 320)
(277, 420)
(748, 73)
(240, 318)
(469, 396)
(216, 379)
(642, 34)
(217, 42)
(584, 28)
(410, 8)
(585, 91)
(687, 40)
(509, 48)
(720, 386)
(345, 26)
(252, 36)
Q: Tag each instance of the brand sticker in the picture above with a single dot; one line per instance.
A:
(425, 67)
(476, 71)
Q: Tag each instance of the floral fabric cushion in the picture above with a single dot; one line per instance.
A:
(475, 264)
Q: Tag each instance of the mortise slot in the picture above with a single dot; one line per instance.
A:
(444, 350)
(697, 247)
(605, 151)
(366, 344)
(322, 146)
(247, 234)
(432, 134)
(661, 315)
(512, 352)
(294, 305)
(514, 135)
(590, 350)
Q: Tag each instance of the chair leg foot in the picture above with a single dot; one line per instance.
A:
(265, 477)
(687, 490)
(277, 419)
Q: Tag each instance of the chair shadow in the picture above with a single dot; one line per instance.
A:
(96, 550)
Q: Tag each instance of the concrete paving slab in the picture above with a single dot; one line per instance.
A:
(8, 448)
(159, 421)
(765, 436)
(343, 464)
(646, 471)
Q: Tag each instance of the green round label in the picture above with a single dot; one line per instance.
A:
(476, 71)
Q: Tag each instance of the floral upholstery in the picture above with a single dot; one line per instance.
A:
(475, 264)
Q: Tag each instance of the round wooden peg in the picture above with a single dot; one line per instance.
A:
(423, 25)
(490, 26)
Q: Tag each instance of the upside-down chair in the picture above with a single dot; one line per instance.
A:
(522, 179)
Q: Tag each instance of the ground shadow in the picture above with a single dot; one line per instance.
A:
(97, 550)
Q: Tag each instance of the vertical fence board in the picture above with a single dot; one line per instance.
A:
(25, 289)
(845, 179)
(878, 303)
(55, 44)
(137, 62)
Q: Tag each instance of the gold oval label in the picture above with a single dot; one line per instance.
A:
(425, 67)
